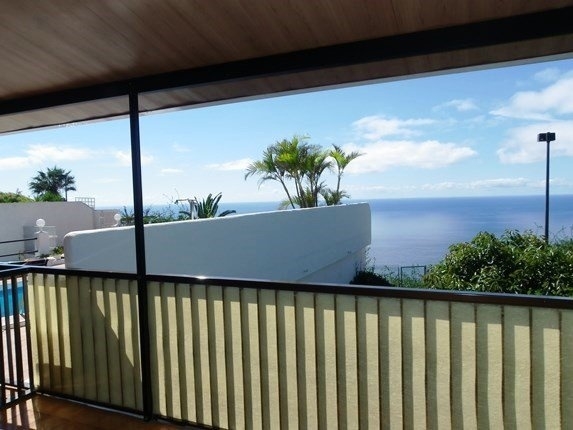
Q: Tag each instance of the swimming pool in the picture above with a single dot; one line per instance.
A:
(6, 308)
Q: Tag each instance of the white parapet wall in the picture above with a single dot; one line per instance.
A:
(17, 220)
(324, 244)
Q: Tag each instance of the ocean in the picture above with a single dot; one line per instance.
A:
(419, 231)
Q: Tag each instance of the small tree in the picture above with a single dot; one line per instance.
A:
(208, 207)
(520, 263)
(302, 164)
(16, 197)
(341, 160)
(47, 185)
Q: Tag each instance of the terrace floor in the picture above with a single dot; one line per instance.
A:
(50, 413)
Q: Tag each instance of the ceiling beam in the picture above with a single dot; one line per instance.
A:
(538, 25)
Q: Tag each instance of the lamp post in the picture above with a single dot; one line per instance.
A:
(192, 206)
(546, 137)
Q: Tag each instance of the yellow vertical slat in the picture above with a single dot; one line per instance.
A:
(306, 359)
(566, 368)
(33, 324)
(464, 365)
(89, 376)
(368, 362)
(157, 356)
(133, 304)
(234, 348)
(391, 393)
(516, 367)
(186, 360)
(64, 336)
(127, 356)
(99, 325)
(269, 359)
(347, 360)
(75, 336)
(201, 348)
(112, 341)
(43, 335)
(287, 357)
(327, 363)
(171, 362)
(51, 314)
(251, 354)
(414, 359)
(438, 364)
(217, 356)
(489, 366)
(546, 366)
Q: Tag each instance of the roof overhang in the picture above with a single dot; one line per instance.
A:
(259, 49)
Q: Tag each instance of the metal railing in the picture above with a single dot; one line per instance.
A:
(244, 354)
(16, 376)
(18, 241)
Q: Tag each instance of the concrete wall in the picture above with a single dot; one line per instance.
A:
(315, 245)
(63, 216)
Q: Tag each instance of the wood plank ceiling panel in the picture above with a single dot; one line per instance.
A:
(53, 45)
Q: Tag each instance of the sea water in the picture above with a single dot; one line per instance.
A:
(419, 231)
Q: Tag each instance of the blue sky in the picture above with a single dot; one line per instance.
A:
(461, 134)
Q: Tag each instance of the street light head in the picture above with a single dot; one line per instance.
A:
(546, 137)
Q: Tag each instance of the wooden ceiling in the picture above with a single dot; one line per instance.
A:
(63, 61)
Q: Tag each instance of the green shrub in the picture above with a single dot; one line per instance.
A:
(370, 277)
(519, 263)
(13, 198)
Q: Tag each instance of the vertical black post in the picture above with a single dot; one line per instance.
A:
(547, 193)
(142, 302)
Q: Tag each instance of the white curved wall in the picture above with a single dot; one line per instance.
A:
(315, 245)
(63, 216)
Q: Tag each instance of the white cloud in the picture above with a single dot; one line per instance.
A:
(124, 158)
(177, 147)
(230, 165)
(521, 145)
(480, 184)
(45, 153)
(106, 180)
(461, 105)
(550, 74)
(543, 105)
(170, 171)
(13, 163)
(375, 127)
(431, 154)
(38, 154)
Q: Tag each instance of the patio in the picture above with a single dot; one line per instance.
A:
(239, 353)
(50, 413)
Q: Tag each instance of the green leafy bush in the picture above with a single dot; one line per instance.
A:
(519, 263)
(13, 198)
(370, 277)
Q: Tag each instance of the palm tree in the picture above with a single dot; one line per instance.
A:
(304, 164)
(341, 159)
(315, 163)
(208, 207)
(270, 170)
(51, 182)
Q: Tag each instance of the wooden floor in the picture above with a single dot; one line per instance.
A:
(48, 413)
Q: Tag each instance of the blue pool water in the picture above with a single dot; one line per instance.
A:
(6, 308)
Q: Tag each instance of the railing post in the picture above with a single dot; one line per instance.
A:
(144, 342)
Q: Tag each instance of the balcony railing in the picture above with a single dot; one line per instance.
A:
(15, 371)
(251, 354)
